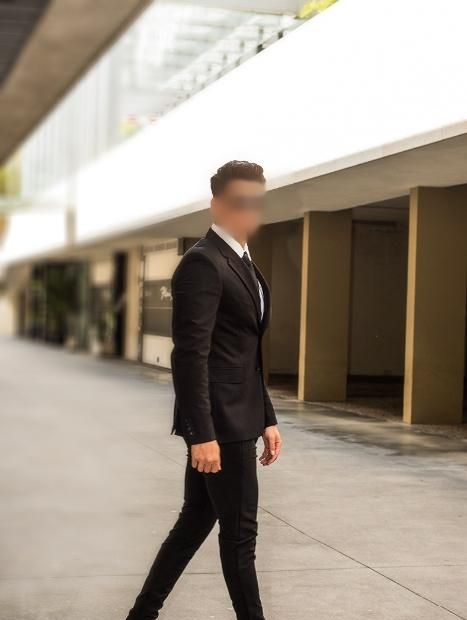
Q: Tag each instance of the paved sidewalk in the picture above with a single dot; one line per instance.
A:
(361, 518)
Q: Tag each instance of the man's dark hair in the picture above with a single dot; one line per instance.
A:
(236, 170)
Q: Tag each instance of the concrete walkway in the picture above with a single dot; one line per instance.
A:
(361, 518)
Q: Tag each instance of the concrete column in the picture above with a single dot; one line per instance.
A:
(261, 247)
(3, 226)
(132, 304)
(436, 306)
(8, 314)
(325, 302)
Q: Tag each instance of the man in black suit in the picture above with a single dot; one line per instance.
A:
(221, 307)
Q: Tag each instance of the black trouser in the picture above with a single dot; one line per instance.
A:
(231, 496)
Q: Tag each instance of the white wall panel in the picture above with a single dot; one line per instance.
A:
(157, 350)
(160, 264)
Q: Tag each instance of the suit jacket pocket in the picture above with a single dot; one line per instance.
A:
(226, 374)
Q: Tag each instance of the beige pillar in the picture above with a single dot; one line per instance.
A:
(325, 301)
(8, 314)
(261, 247)
(3, 226)
(132, 304)
(436, 305)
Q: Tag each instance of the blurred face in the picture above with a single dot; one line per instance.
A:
(239, 208)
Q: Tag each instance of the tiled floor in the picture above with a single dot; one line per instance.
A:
(361, 518)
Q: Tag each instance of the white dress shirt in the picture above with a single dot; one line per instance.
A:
(238, 249)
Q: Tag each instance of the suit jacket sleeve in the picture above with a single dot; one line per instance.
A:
(196, 290)
(269, 413)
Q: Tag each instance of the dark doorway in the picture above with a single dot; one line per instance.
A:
(119, 302)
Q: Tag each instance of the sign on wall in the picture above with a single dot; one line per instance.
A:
(157, 308)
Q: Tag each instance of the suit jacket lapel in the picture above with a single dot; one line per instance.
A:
(245, 276)
(239, 267)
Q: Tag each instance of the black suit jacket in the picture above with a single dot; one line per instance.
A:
(216, 360)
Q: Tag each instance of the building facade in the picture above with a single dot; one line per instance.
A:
(363, 137)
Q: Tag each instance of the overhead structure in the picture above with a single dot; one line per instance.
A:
(17, 20)
(41, 56)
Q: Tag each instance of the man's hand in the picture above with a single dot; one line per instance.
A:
(206, 457)
(272, 445)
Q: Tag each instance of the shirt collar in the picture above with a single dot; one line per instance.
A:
(233, 243)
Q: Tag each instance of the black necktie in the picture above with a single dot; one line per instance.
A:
(251, 269)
